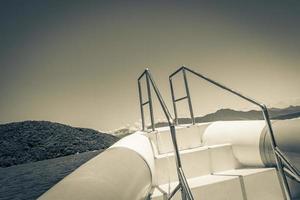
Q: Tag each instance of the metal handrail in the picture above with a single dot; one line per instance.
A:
(186, 193)
(288, 166)
(278, 156)
(188, 96)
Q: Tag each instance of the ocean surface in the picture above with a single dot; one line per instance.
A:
(29, 181)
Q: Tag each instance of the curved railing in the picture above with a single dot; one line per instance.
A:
(282, 163)
(186, 193)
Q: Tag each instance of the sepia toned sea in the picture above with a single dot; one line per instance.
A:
(29, 181)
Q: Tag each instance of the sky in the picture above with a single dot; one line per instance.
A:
(77, 62)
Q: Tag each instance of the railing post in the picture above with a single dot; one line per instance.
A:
(177, 158)
(173, 100)
(183, 194)
(188, 95)
(277, 159)
(150, 101)
(187, 91)
(185, 190)
(141, 105)
(175, 145)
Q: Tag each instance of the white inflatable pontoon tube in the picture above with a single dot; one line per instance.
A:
(121, 172)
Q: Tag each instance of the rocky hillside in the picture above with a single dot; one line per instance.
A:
(31, 141)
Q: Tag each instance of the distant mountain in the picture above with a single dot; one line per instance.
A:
(226, 115)
(122, 132)
(30, 141)
(288, 116)
(230, 114)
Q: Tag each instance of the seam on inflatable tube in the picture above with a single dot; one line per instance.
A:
(265, 148)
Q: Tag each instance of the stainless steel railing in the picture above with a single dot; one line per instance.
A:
(282, 163)
(289, 168)
(186, 193)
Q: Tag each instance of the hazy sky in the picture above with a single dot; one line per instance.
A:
(76, 62)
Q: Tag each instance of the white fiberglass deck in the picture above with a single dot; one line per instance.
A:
(228, 167)
(221, 160)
